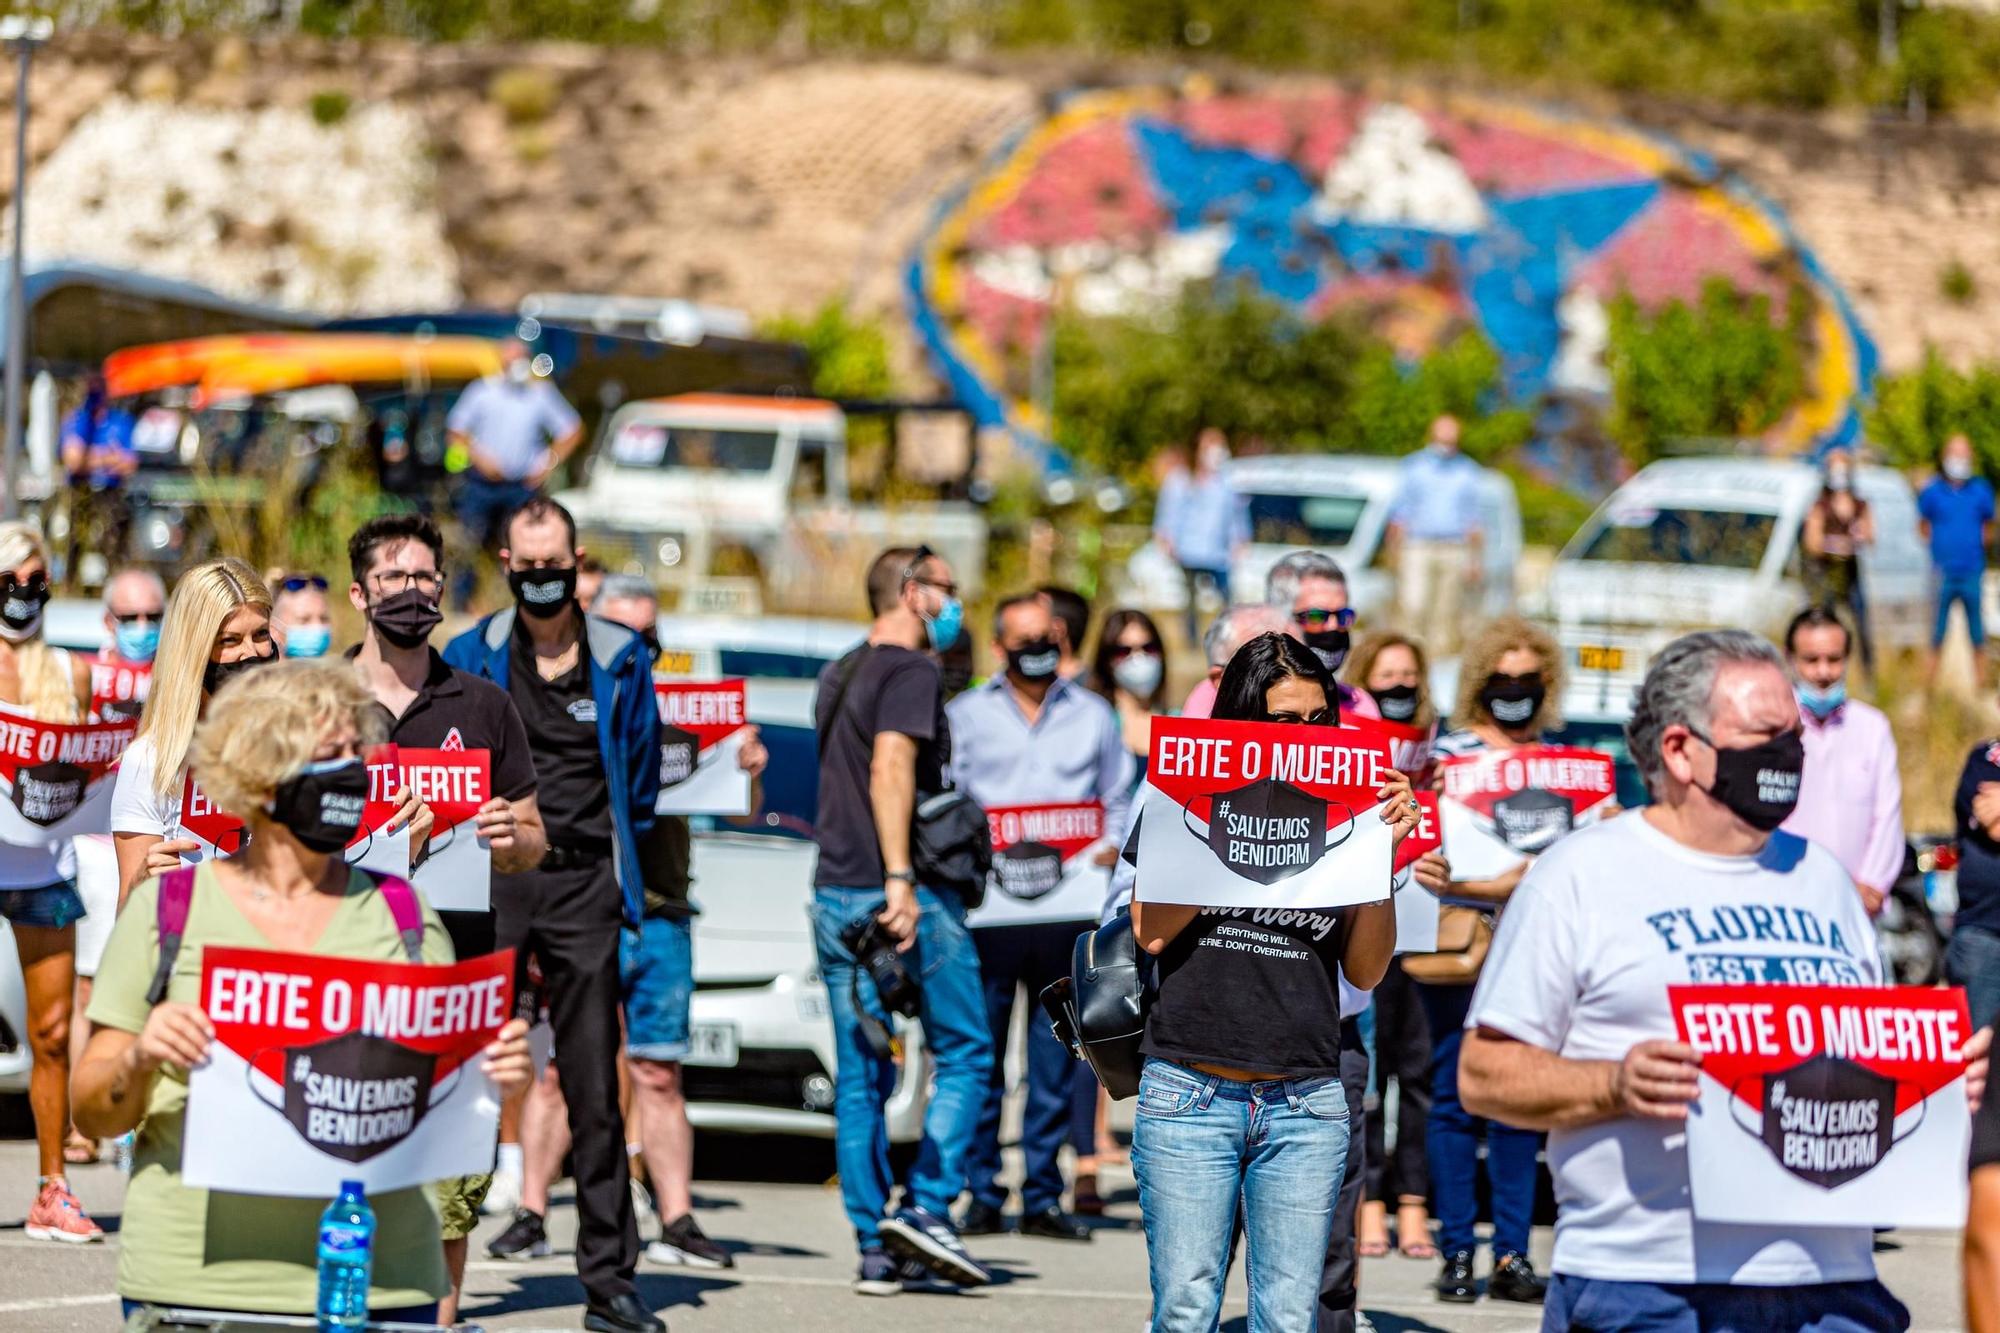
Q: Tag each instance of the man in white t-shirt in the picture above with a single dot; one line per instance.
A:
(1570, 1031)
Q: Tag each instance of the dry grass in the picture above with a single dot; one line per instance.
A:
(1934, 728)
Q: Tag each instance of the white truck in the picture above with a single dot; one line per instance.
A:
(739, 502)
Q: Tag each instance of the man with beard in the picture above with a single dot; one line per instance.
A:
(398, 583)
(584, 688)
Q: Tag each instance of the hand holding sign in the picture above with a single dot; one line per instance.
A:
(1657, 1080)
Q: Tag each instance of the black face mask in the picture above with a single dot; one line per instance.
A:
(1827, 1121)
(217, 674)
(1531, 821)
(357, 1095)
(1034, 661)
(1398, 703)
(322, 806)
(1513, 701)
(1268, 830)
(1329, 645)
(543, 593)
(407, 618)
(1760, 783)
(21, 609)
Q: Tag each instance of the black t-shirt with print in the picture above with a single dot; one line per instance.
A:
(1251, 989)
(561, 719)
(892, 689)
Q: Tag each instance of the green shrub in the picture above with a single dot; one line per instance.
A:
(1917, 411)
(330, 106)
(525, 95)
(1956, 283)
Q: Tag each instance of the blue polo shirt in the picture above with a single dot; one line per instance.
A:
(1956, 513)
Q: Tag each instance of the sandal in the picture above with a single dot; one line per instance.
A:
(1372, 1249)
(1414, 1241)
(78, 1150)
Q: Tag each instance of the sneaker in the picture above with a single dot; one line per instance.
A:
(929, 1240)
(1362, 1323)
(682, 1242)
(880, 1275)
(58, 1216)
(503, 1196)
(524, 1238)
(643, 1213)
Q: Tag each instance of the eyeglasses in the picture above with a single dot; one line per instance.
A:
(1317, 620)
(910, 574)
(139, 617)
(300, 582)
(393, 581)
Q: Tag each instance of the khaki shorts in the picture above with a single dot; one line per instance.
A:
(458, 1200)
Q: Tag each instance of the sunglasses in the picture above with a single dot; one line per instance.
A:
(1318, 620)
(300, 582)
(910, 574)
(135, 617)
(37, 583)
(1120, 652)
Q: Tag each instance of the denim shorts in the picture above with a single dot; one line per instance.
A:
(656, 971)
(52, 906)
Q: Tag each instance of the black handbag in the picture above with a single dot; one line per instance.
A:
(1099, 1009)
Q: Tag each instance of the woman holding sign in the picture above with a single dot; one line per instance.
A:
(1266, 1127)
(282, 753)
(38, 895)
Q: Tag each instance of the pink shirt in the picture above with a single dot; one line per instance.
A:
(1851, 797)
(1201, 701)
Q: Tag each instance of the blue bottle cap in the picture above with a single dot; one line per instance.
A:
(351, 1187)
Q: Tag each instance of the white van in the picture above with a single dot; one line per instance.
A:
(1696, 543)
(1339, 504)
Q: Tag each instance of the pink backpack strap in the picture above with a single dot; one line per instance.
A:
(176, 898)
(402, 902)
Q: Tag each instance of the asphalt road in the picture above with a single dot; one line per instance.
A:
(771, 1203)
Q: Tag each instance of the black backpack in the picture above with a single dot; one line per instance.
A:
(1099, 1009)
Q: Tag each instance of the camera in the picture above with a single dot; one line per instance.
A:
(874, 951)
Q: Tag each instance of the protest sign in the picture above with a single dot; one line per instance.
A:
(702, 728)
(118, 688)
(56, 777)
(1819, 1105)
(215, 831)
(1501, 807)
(219, 834)
(330, 1069)
(1409, 746)
(456, 874)
(1416, 906)
(1041, 867)
(1257, 814)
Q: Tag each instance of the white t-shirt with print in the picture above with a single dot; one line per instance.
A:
(1602, 924)
(136, 807)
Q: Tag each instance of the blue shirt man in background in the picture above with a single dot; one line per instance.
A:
(1201, 521)
(1434, 531)
(1957, 520)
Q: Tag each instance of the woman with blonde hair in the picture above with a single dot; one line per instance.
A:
(1510, 681)
(282, 752)
(38, 896)
(218, 625)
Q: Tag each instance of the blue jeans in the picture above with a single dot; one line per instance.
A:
(1596, 1305)
(953, 1012)
(1962, 588)
(656, 972)
(1200, 1146)
(1451, 1142)
(481, 507)
(1033, 955)
(1972, 960)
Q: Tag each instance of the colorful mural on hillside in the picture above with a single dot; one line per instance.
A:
(1426, 212)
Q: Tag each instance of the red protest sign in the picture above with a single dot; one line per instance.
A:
(218, 832)
(1807, 1091)
(1253, 814)
(1037, 874)
(1427, 836)
(55, 777)
(1500, 807)
(702, 727)
(456, 872)
(1409, 746)
(326, 1069)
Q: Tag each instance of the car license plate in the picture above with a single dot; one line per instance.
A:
(712, 1044)
(1597, 657)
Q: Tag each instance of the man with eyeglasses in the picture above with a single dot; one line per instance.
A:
(427, 705)
(584, 688)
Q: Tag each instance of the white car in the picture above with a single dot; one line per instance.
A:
(1695, 543)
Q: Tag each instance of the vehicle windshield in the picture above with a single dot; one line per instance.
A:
(651, 445)
(1719, 538)
(1305, 520)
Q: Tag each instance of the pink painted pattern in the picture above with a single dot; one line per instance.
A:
(1089, 186)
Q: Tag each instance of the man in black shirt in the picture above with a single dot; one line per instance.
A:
(584, 689)
(1972, 959)
(426, 705)
(883, 740)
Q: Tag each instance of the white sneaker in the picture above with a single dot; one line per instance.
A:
(503, 1196)
(642, 1207)
(1362, 1323)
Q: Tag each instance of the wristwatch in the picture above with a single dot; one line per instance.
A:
(907, 876)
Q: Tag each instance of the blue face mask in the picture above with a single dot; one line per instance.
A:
(945, 625)
(137, 642)
(308, 641)
(1822, 703)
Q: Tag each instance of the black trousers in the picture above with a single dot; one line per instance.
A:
(570, 920)
(1402, 1052)
(1339, 1293)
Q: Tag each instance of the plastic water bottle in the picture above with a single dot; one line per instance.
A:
(121, 1151)
(346, 1256)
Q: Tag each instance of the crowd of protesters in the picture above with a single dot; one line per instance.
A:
(1265, 1121)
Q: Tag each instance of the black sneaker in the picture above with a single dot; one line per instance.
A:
(880, 1274)
(1454, 1282)
(982, 1219)
(524, 1238)
(929, 1240)
(682, 1242)
(1514, 1279)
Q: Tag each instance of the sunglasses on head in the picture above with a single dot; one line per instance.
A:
(300, 582)
(1319, 620)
